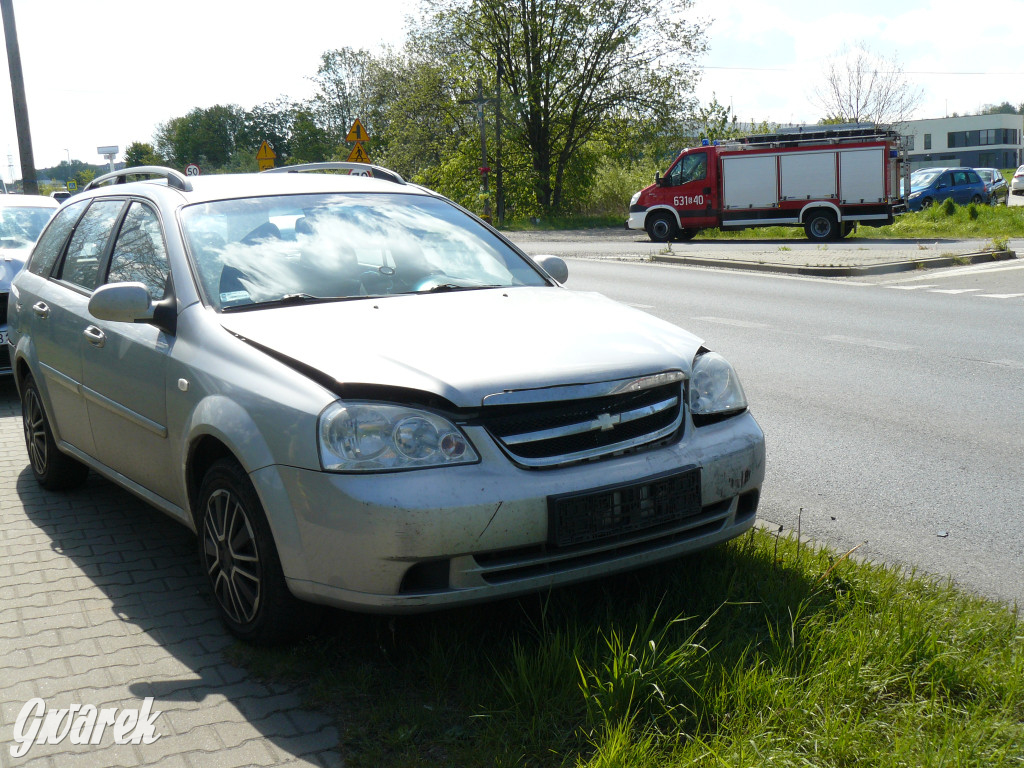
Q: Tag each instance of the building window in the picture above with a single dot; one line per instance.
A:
(927, 141)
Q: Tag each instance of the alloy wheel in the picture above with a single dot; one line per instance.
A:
(35, 431)
(232, 557)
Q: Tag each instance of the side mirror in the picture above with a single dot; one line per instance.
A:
(554, 266)
(122, 303)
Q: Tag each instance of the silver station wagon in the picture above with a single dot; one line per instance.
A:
(358, 394)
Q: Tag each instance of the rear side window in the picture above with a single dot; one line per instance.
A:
(139, 253)
(82, 264)
(51, 243)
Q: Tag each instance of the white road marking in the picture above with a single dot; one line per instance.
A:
(909, 287)
(638, 306)
(731, 321)
(996, 266)
(954, 290)
(999, 295)
(889, 345)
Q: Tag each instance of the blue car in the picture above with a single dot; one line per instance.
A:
(933, 185)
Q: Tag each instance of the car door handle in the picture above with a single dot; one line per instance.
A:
(95, 336)
(41, 309)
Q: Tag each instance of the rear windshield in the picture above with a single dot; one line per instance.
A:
(253, 251)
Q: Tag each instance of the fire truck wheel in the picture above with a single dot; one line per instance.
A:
(661, 227)
(848, 227)
(821, 225)
(685, 234)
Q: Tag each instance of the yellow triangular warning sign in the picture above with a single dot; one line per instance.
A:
(357, 132)
(265, 153)
(358, 155)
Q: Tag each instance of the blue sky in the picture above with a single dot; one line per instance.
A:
(109, 71)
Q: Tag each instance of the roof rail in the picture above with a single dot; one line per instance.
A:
(175, 179)
(375, 171)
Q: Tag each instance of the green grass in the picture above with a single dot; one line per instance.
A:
(759, 652)
(938, 222)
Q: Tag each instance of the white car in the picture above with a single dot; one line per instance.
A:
(22, 218)
(359, 394)
(1017, 183)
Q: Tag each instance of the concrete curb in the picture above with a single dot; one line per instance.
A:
(934, 262)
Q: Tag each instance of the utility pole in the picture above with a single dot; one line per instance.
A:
(28, 163)
(480, 101)
(499, 192)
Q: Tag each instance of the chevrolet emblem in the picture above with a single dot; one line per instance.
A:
(605, 422)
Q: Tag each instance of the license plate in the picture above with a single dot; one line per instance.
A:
(618, 510)
(3, 337)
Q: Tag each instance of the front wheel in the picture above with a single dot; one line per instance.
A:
(821, 226)
(661, 227)
(237, 552)
(52, 469)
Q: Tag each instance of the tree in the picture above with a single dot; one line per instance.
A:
(863, 86)
(270, 122)
(309, 142)
(339, 99)
(204, 136)
(141, 153)
(569, 69)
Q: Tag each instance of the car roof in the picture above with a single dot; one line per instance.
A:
(200, 189)
(28, 201)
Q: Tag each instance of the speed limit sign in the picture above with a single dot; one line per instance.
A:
(191, 169)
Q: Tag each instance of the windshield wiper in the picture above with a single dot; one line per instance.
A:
(445, 287)
(290, 299)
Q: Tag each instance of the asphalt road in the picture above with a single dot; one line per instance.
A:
(893, 407)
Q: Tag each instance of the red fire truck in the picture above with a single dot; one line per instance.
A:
(825, 178)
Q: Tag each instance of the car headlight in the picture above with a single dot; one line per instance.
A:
(373, 437)
(714, 387)
(913, 195)
(633, 200)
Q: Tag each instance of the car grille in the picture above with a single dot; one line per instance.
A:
(3, 308)
(547, 434)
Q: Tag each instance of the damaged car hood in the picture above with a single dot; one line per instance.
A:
(463, 346)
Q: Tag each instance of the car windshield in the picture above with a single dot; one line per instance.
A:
(20, 225)
(923, 178)
(304, 248)
(987, 174)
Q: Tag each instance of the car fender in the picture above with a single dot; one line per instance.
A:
(663, 207)
(223, 419)
(821, 204)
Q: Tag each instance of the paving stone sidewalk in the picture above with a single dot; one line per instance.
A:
(102, 603)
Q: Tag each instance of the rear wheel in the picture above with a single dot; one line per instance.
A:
(661, 227)
(52, 469)
(821, 225)
(976, 199)
(848, 227)
(237, 552)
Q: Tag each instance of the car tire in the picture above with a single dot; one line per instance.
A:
(53, 470)
(927, 203)
(661, 227)
(238, 555)
(976, 199)
(821, 225)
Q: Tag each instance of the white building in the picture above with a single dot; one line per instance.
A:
(974, 141)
